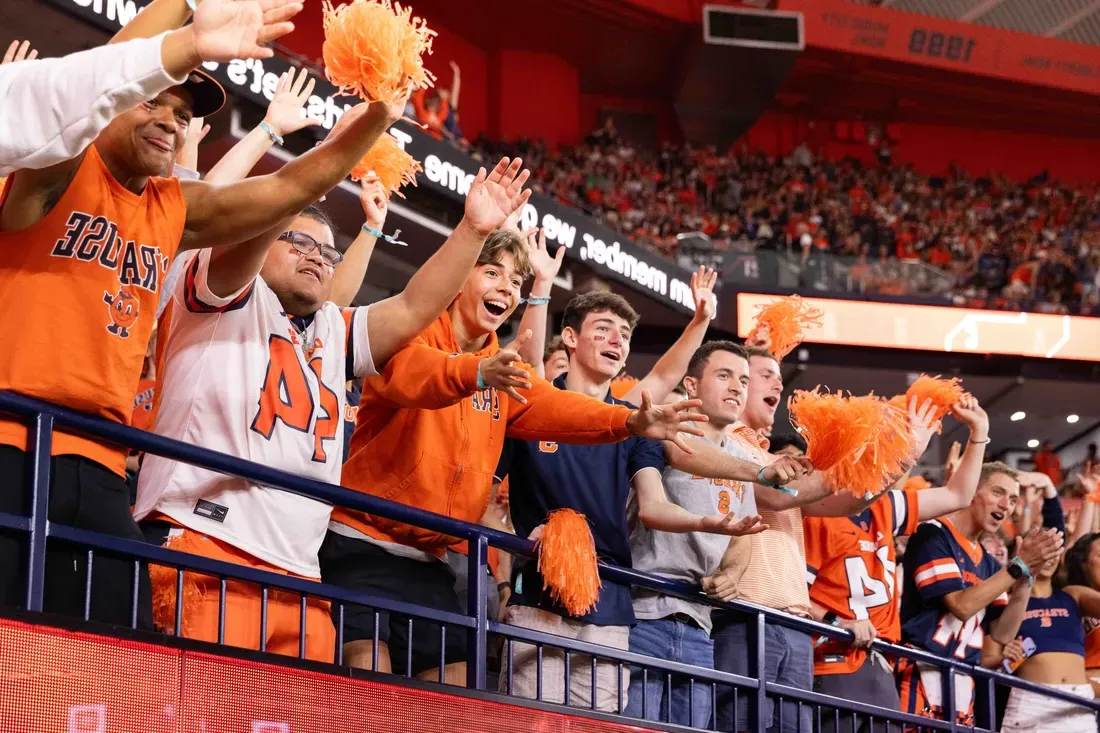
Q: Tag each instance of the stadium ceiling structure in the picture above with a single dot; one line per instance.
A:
(1070, 20)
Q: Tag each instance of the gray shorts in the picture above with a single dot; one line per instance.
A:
(872, 684)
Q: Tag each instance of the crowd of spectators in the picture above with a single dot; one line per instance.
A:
(979, 241)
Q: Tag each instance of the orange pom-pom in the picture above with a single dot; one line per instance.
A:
(877, 464)
(786, 321)
(567, 561)
(163, 582)
(374, 49)
(944, 393)
(622, 384)
(834, 426)
(393, 166)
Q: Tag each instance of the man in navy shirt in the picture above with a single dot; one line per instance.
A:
(596, 481)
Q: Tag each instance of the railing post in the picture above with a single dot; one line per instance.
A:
(477, 645)
(40, 443)
(758, 703)
(947, 679)
(988, 704)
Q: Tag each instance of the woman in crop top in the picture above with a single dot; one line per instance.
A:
(1083, 568)
(1053, 623)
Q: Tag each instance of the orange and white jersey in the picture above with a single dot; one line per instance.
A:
(242, 377)
(851, 569)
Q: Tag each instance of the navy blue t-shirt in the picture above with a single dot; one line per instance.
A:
(591, 479)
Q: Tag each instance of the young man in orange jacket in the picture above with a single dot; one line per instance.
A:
(442, 458)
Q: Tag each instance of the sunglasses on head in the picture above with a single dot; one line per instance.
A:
(304, 244)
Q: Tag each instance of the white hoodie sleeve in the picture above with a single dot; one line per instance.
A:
(54, 108)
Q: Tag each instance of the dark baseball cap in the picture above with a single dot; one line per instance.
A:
(207, 95)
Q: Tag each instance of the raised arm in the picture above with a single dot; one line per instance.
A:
(963, 482)
(456, 85)
(284, 116)
(221, 215)
(349, 274)
(492, 197)
(671, 367)
(536, 312)
(1088, 507)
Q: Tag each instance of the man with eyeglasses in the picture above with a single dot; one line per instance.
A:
(255, 366)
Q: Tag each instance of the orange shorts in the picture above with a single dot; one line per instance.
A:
(243, 603)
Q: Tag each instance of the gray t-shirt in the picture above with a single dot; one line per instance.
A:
(689, 556)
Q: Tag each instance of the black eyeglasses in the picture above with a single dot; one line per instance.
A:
(305, 244)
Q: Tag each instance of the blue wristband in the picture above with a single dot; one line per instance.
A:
(270, 133)
(193, 4)
(391, 238)
(785, 489)
(480, 382)
(533, 300)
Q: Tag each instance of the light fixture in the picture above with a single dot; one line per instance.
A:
(1033, 443)
(1018, 416)
(1072, 419)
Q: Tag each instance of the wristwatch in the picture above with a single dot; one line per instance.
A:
(830, 618)
(1018, 569)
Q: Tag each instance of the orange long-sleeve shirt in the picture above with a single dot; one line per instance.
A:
(426, 436)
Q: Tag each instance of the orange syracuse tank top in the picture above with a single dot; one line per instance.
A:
(79, 292)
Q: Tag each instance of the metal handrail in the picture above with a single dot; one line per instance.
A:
(46, 417)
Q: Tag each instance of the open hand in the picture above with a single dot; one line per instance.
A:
(922, 424)
(702, 292)
(1039, 547)
(954, 458)
(543, 265)
(497, 371)
(666, 422)
(284, 114)
(226, 30)
(17, 52)
(729, 524)
(374, 201)
(495, 195)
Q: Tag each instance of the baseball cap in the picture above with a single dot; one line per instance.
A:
(207, 94)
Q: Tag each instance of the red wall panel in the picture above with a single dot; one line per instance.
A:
(538, 95)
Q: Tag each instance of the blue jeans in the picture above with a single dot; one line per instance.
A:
(673, 641)
(788, 656)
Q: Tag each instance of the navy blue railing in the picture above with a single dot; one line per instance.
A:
(44, 418)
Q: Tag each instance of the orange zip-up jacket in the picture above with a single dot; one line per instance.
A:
(427, 437)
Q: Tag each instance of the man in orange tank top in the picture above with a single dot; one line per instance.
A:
(105, 226)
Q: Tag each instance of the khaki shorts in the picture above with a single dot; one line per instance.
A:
(525, 677)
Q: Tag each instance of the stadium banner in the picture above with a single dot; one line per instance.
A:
(447, 170)
(841, 25)
(940, 328)
(55, 681)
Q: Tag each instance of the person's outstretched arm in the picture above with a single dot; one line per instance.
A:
(536, 312)
(396, 321)
(223, 215)
(656, 512)
(349, 274)
(284, 116)
(672, 366)
(960, 487)
(54, 108)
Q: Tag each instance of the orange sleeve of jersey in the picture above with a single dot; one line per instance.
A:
(564, 417)
(420, 376)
